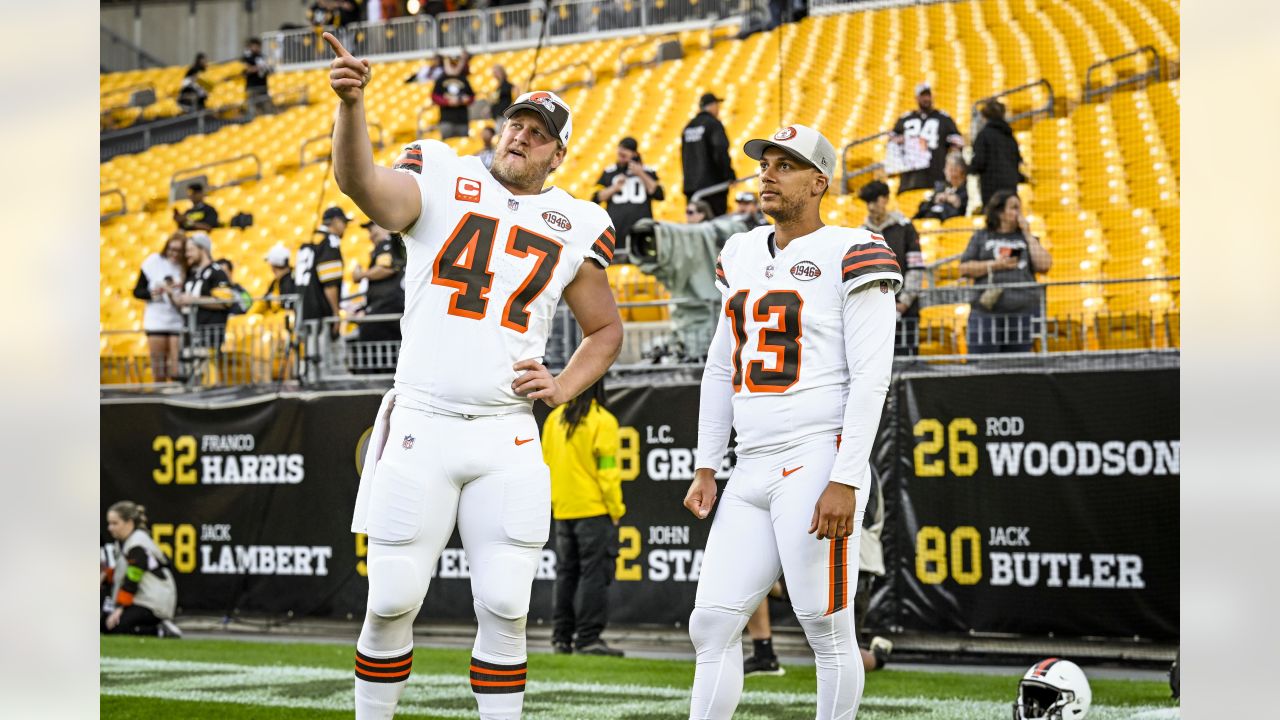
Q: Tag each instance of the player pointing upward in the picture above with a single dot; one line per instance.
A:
(799, 367)
(490, 253)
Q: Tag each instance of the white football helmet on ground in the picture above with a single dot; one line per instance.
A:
(1053, 689)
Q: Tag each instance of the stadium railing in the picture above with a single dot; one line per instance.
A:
(258, 351)
(509, 27)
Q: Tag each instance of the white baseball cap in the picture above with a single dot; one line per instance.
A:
(553, 110)
(802, 143)
(278, 255)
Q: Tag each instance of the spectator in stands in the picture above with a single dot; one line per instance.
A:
(158, 281)
(242, 299)
(697, 211)
(628, 188)
(207, 293)
(704, 152)
(430, 72)
(1005, 252)
(318, 270)
(453, 95)
(903, 239)
(256, 71)
(485, 153)
(200, 216)
(144, 595)
(385, 276)
(940, 135)
(580, 445)
(748, 208)
(996, 157)
(502, 96)
(193, 93)
(282, 282)
(950, 198)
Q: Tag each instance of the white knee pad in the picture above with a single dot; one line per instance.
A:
(501, 586)
(712, 630)
(394, 588)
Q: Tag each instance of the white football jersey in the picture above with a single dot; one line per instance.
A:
(788, 317)
(485, 273)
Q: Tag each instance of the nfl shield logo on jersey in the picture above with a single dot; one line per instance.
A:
(408, 442)
(513, 204)
(768, 272)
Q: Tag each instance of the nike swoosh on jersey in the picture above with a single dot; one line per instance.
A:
(521, 442)
(786, 472)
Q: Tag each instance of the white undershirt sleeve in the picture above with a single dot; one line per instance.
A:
(869, 320)
(715, 408)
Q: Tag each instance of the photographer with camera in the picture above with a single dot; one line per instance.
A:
(1003, 253)
(628, 188)
(683, 258)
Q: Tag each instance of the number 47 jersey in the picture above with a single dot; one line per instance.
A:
(805, 345)
(485, 273)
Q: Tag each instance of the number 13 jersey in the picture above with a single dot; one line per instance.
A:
(801, 329)
(485, 273)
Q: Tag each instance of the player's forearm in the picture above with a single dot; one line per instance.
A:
(592, 359)
(715, 405)
(869, 319)
(353, 166)
(378, 273)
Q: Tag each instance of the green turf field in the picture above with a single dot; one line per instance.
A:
(236, 680)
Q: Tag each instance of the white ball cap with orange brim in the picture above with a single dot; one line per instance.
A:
(553, 110)
(803, 143)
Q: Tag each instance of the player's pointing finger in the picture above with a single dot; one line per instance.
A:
(335, 45)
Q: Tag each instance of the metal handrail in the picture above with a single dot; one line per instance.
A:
(1091, 90)
(302, 150)
(590, 80)
(713, 189)
(976, 122)
(712, 39)
(845, 174)
(124, 204)
(193, 171)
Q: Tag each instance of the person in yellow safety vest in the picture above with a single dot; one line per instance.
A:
(580, 446)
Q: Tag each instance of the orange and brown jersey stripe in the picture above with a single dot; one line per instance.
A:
(604, 245)
(489, 678)
(720, 276)
(384, 670)
(838, 576)
(410, 159)
(869, 258)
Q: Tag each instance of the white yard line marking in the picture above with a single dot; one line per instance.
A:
(449, 696)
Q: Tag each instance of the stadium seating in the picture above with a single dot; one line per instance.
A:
(1105, 176)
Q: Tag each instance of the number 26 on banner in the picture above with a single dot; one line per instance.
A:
(962, 455)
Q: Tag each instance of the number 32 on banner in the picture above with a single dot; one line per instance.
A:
(962, 455)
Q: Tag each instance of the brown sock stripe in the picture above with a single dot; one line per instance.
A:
(385, 670)
(492, 678)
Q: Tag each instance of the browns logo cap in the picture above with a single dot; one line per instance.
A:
(803, 143)
(552, 109)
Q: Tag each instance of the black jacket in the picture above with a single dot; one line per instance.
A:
(705, 150)
(996, 158)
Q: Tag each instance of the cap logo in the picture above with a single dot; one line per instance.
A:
(785, 133)
(556, 221)
(805, 270)
(543, 99)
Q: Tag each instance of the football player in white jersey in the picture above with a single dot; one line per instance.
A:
(799, 366)
(490, 254)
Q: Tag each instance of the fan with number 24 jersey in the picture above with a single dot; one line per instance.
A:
(800, 331)
(485, 273)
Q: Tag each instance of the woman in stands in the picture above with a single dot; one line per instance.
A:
(1002, 319)
(162, 273)
(144, 593)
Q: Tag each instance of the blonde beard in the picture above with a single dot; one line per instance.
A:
(531, 177)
